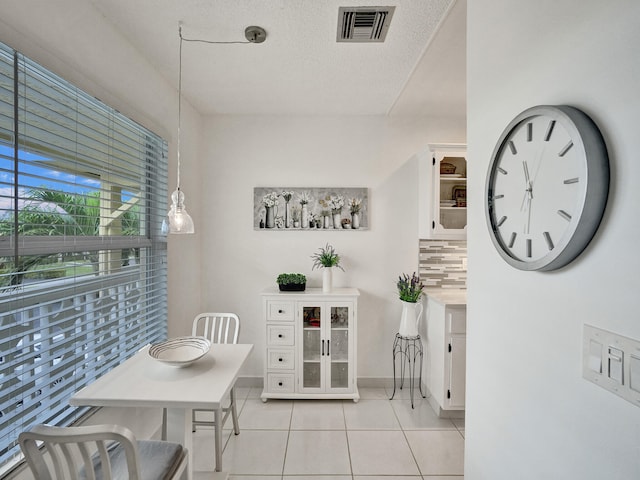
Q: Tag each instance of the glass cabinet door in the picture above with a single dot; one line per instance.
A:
(312, 345)
(450, 204)
(339, 346)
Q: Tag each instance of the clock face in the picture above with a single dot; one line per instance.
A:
(547, 187)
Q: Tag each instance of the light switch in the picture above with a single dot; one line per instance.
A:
(612, 362)
(595, 356)
(615, 357)
(634, 373)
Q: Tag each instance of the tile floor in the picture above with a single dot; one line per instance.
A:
(336, 440)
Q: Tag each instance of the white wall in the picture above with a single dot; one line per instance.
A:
(238, 262)
(530, 415)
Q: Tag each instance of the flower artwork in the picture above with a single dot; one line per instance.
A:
(304, 198)
(334, 202)
(270, 199)
(354, 205)
(313, 209)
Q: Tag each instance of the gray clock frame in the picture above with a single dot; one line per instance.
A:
(593, 194)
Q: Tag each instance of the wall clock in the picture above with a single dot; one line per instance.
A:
(546, 187)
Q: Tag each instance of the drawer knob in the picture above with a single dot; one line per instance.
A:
(279, 384)
(280, 335)
(280, 311)
(280, 359)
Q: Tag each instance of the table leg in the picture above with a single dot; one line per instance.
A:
(178, 430)
(218, 438)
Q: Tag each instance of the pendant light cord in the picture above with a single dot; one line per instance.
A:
(182, 38)
(211, 41)
(179, 103)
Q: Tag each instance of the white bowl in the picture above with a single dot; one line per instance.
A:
(180, 351)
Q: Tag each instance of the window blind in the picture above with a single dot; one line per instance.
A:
(82, 257)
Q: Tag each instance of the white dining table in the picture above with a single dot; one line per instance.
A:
(142, 381)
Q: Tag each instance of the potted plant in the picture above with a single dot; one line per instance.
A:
(409, 292)
(326, 258)
(291, 282)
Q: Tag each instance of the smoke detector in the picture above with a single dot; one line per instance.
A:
(363, 24)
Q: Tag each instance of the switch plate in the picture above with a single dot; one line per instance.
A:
(620, 357)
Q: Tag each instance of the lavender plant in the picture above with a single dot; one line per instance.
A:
(409, 288)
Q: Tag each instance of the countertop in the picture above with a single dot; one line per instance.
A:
(447, 296)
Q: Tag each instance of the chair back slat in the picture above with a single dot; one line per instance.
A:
(217, 327)
(105, 461)
(55, 450)
(87, 462)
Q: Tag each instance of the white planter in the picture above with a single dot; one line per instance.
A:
(327, 279)
(410, 319)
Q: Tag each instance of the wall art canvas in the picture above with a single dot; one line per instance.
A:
(294, 208)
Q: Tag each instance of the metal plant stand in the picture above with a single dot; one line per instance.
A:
(410, 350)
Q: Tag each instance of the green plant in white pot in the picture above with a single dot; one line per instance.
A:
(326, 258)
(410, 292)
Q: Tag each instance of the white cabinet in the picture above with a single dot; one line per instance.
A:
(442, 173)
(446, 352)
(311, 344)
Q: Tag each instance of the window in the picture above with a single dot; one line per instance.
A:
(82, 257)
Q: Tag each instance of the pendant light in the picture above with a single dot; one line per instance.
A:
(179, 219)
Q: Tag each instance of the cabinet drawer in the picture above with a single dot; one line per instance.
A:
(280, 335)
(280, 358)
(284, 311)
(280, 382)
(457, 320)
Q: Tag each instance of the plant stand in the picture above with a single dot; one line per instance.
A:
(409, 349)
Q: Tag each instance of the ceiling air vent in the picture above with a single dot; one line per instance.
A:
(363, 24)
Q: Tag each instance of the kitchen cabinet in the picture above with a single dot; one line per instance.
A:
(442, 177)
(311, 344)
(446, 350)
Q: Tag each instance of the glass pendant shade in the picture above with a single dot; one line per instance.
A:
(179, 220)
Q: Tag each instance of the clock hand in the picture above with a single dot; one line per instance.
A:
(528, 192)
(528, 224)
(527, 179)
(540, 157)
(528, 196)
(526, 172)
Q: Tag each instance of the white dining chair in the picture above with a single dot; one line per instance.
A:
(104, 452)
(218, 328)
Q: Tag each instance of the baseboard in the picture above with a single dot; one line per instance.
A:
(363, 382)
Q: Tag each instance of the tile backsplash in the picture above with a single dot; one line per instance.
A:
(443, 263)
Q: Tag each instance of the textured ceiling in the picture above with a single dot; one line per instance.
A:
(300, 68)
